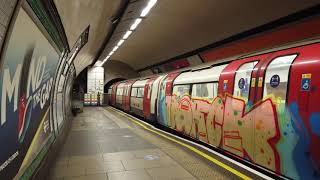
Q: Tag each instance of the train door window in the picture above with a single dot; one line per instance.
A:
(205, 90)
(180, 90)
(140, 92)
(121, 91)
(163, 87)
(242, 80)
(134, 92)
(149, 91)
(127, 94)
(276, 79)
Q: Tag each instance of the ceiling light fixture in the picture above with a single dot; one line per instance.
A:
(115, 48)
(127, 34)
(98, 63)
(144, 13)
(105, 60)
(120, 42)
(135, 24)
(147, 9)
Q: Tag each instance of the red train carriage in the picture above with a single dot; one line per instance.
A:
(262, 108)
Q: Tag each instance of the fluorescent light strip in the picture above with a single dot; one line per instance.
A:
(127, 34)
(144, 12)
(98, 63)
(120, 42)
(115, 48)
(105, 60)
(147, 9)
(135, 24)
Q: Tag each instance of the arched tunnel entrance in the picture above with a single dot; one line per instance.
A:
(108, 84)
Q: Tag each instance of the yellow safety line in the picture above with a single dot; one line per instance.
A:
(210, 158)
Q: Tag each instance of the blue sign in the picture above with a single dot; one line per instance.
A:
(275, 81)
(305, 84)
(241, 83)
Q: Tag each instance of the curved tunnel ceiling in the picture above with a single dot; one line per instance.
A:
(173, 27)
(76, 15)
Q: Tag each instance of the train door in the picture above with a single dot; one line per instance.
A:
(290, 94)
(237, 85)
(154, 97)
(127, 95)
(270, 102)
(164, 99)
(124, 95)
(147, 98)
(161, 116)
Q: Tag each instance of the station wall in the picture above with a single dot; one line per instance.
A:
(29, 64)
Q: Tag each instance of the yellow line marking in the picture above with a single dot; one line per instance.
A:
(210, 158)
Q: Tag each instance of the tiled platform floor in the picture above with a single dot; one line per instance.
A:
(104, 145)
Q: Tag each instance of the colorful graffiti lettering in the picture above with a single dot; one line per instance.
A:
(265, 133)
(226, 124)
(303, 154)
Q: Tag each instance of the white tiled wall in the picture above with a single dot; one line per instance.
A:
(6, 11)
(95, 80)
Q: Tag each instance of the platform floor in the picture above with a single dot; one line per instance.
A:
(103, 144)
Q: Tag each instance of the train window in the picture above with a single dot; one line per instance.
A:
(276, 79)
(242, 80)
(140, 92)
(127, 91)
(205, 90)
(181, 90)
(134, 92)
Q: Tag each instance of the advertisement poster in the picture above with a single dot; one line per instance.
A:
(27, 67)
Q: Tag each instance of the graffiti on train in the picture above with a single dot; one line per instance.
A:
(262, 134)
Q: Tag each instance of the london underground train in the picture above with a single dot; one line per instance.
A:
(263, 108)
